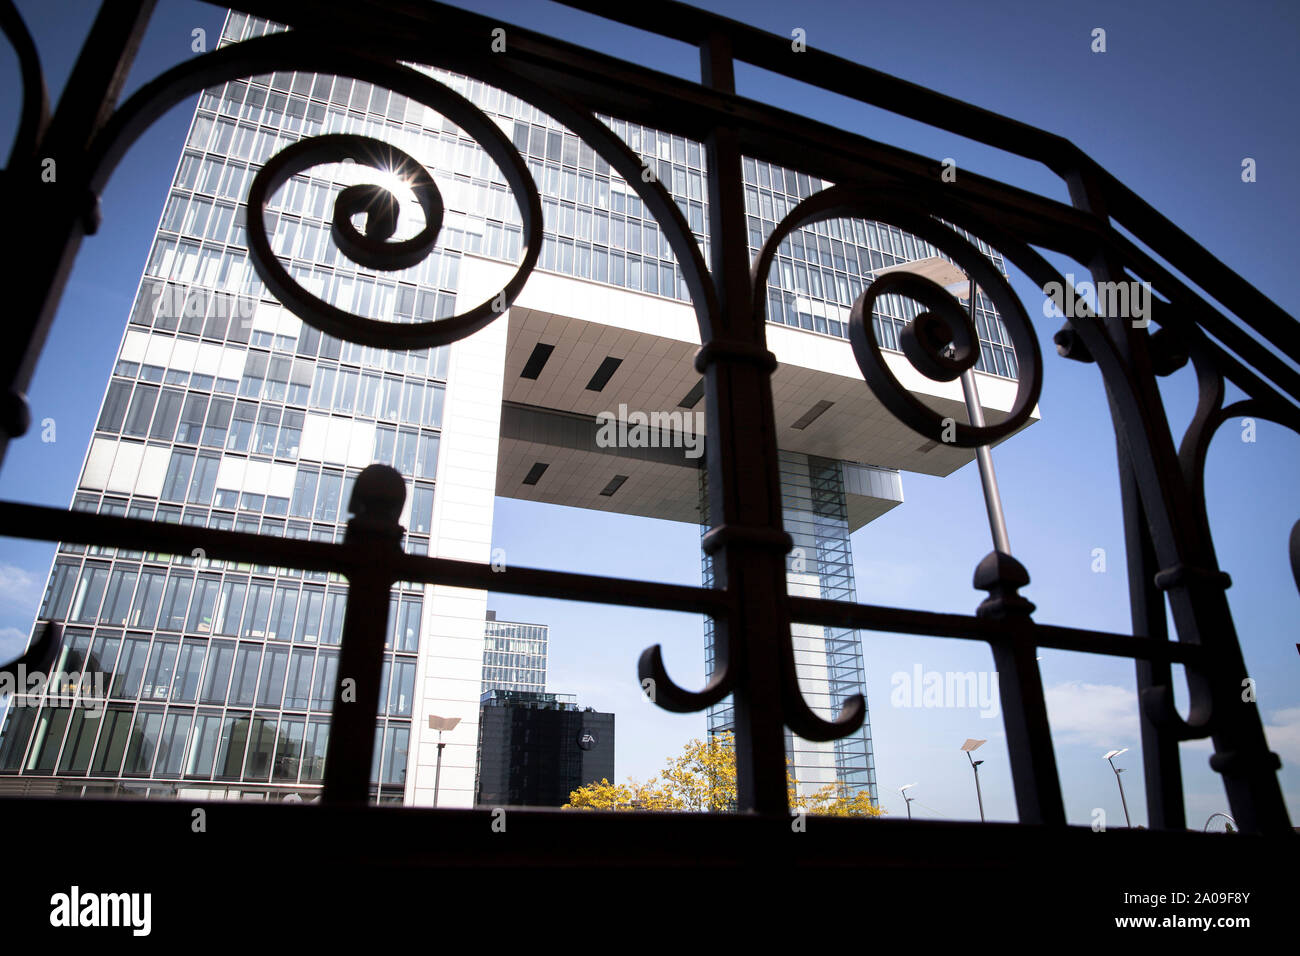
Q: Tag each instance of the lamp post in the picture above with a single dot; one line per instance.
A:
(440, 724)
(1110, 758)
(944, 273)
(906, 799)
(975, 744)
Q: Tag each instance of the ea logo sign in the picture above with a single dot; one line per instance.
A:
(587, 740)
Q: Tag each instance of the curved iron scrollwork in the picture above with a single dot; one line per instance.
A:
(378, 204)
(1209, 365)
(381, 209)
(294, 51)
(926, 339)
(35, 113)
(371, 250)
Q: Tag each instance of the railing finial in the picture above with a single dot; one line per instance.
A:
(378, 496)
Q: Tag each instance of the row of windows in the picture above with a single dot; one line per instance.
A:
(193, 418)
(170, 414)
(217, 672)
(199, 744)
(151, 598)
(307, 103)
(210, 266)
(189, 310)
(514, 640)
(322, 495)
(157, 746)
(214, 314)
(144, 508)
(499, 629)
(175, 376)
(507, 678)
(369, 396)
(627, 233)
(532, 662)
(227, 175)
(237, 143)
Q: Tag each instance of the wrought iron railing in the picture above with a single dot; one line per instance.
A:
(1170, 552)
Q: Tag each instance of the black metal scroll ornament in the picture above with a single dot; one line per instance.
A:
(371, 249)
(927, 338)
(296, 51)
(941, 343)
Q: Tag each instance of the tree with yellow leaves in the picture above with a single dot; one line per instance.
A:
(704, 778)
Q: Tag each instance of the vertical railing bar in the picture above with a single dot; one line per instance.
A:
(746, 542)
(1161, 763)
(374, 539)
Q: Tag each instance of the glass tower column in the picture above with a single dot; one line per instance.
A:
(828, 660)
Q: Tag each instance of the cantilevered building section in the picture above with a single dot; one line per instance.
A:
(225, 410)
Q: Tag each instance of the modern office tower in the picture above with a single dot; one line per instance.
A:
(225, 410)
(535, 749)
(514, 655)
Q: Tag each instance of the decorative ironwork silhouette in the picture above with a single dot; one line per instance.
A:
(1170, 551)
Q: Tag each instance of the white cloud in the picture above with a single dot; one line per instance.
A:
(12, 642)
(1283, 732)
(1106, 715)
(19, 588)
(1098, 715)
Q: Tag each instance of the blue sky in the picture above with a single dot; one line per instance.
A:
(1182, 94)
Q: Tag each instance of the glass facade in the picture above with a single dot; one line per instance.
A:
(514, 656)
(224, 410)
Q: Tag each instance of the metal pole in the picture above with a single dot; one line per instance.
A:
(1118, 779)
(992, 499)
(975, 765)
(437, 773)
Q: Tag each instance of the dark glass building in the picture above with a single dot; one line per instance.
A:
(535, 748)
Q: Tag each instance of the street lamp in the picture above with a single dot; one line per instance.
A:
(944, 273)
(1110, 758)
(974, 744)
(440, 724)
(908, 800)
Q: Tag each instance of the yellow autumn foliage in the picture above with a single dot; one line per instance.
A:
(703, 778)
